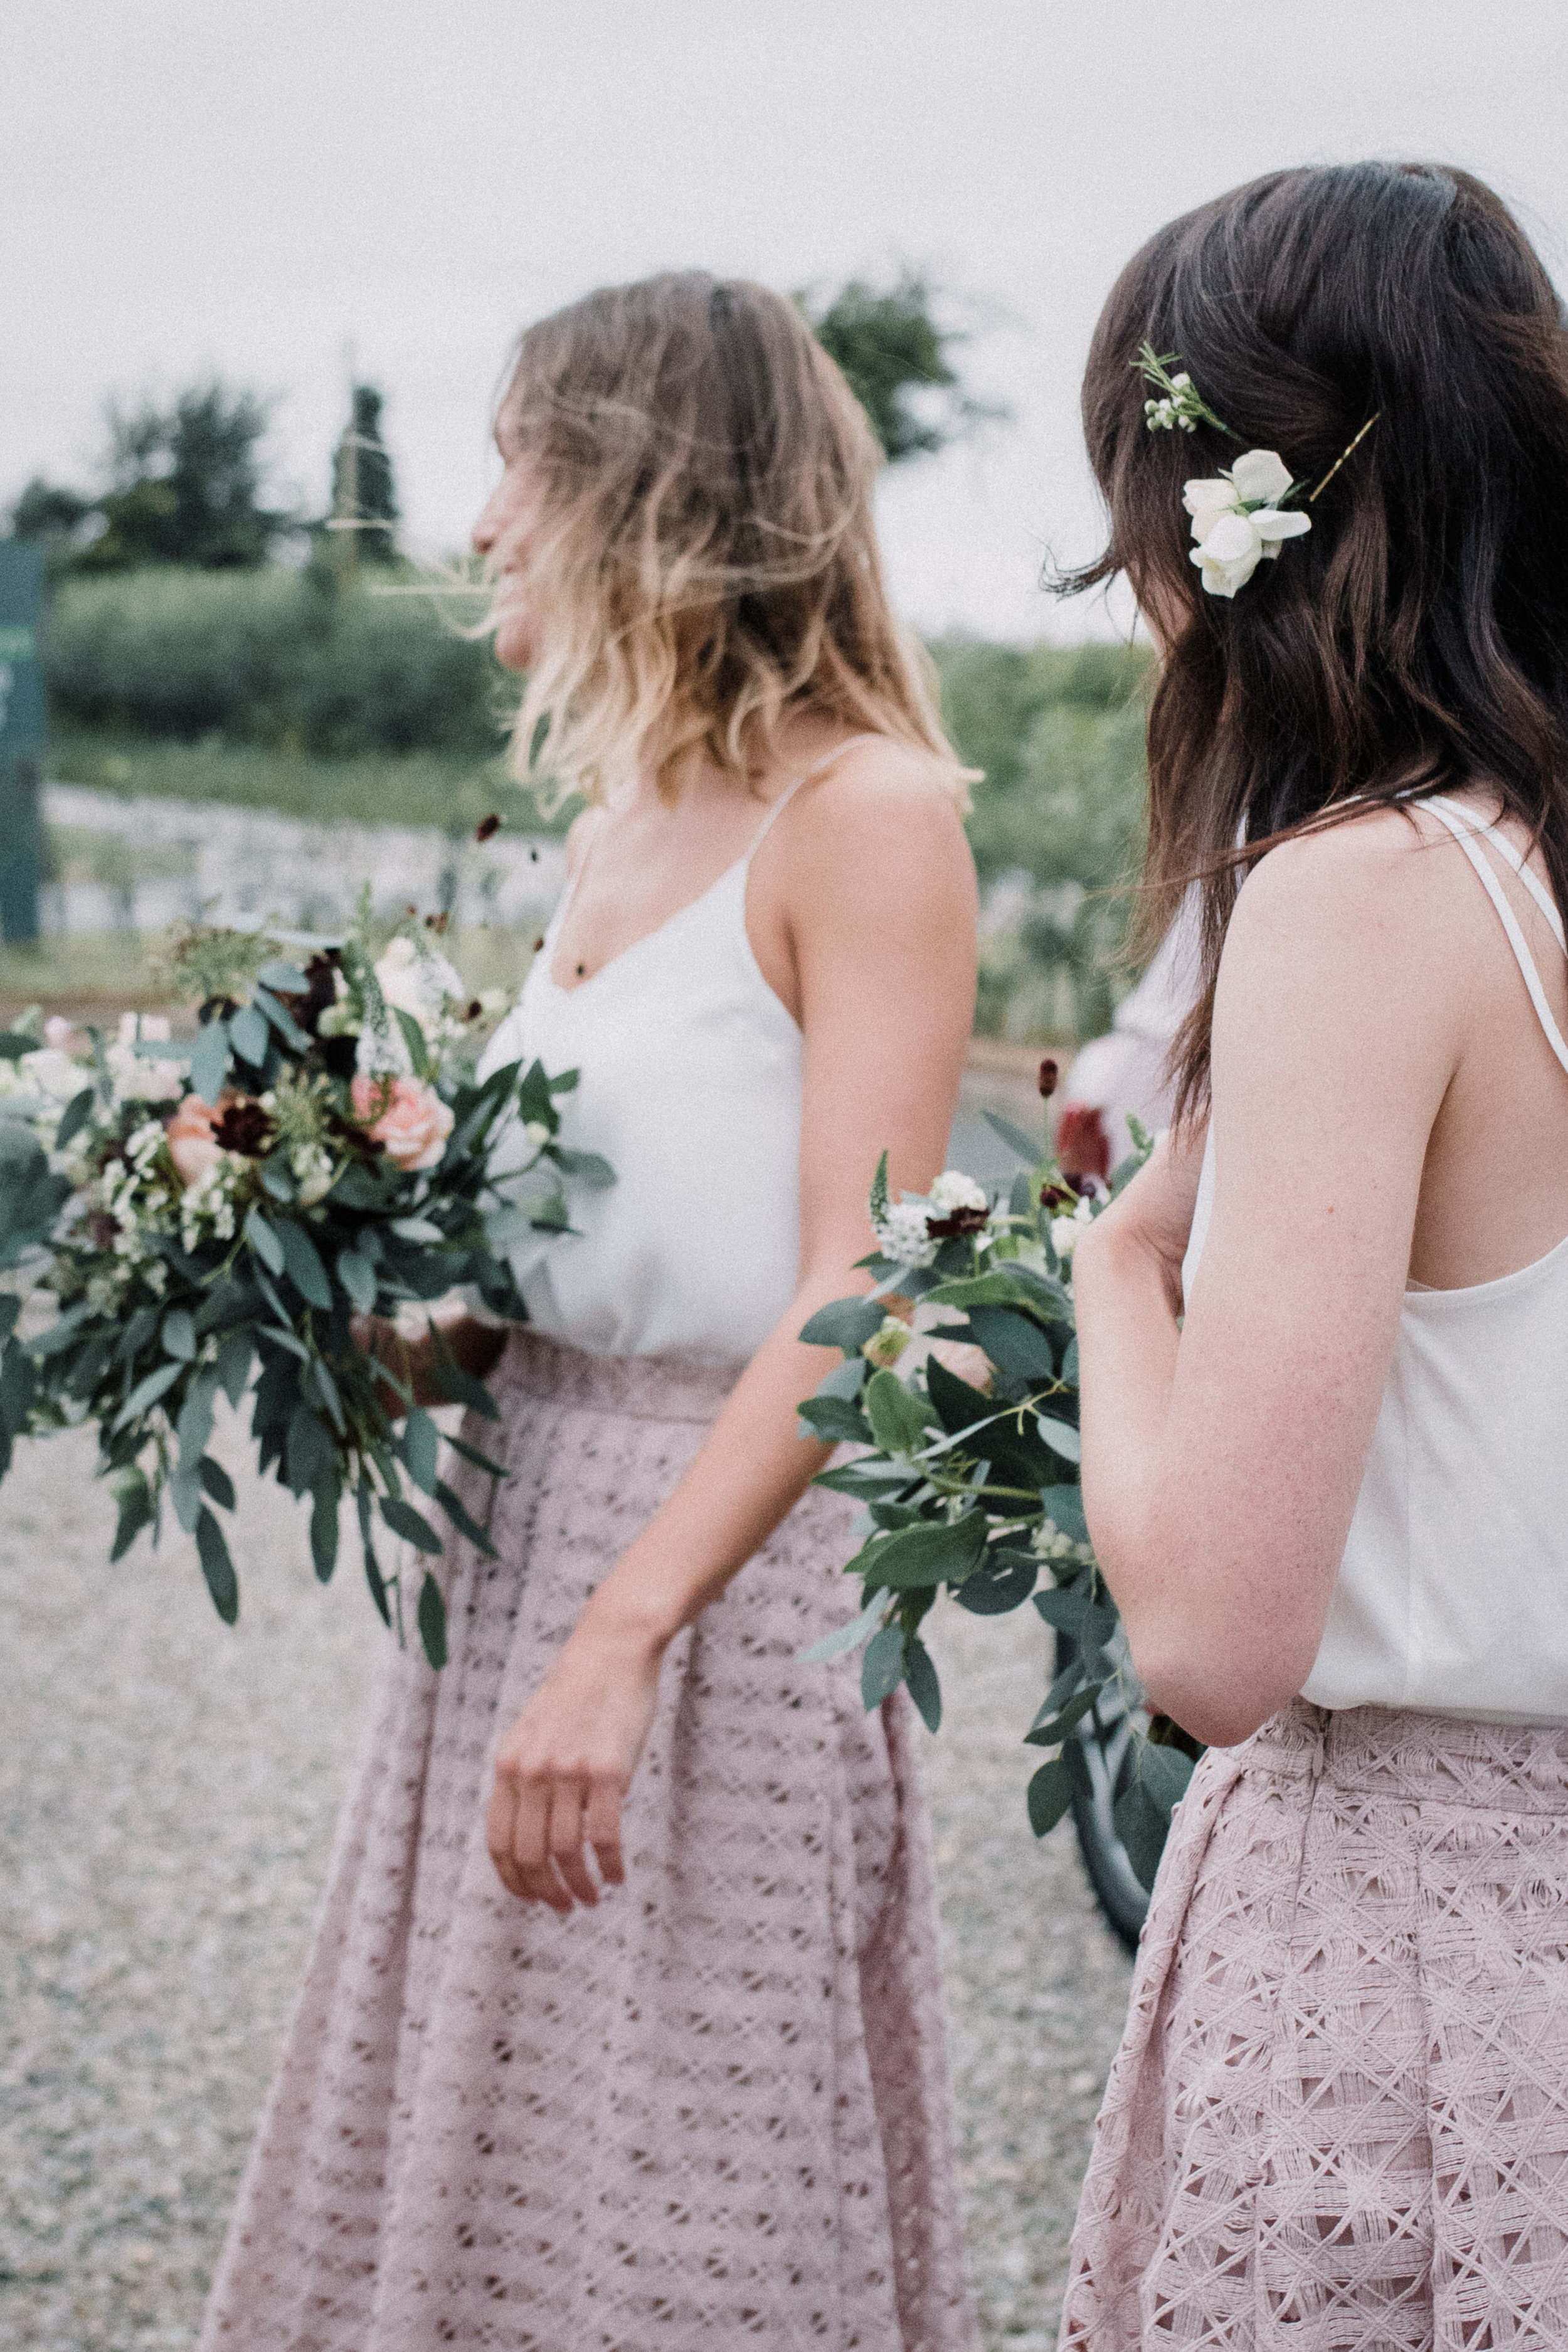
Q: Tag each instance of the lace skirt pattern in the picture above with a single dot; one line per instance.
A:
(1338, 2121)
(714, 2110)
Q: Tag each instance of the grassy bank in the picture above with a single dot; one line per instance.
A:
(449, 789)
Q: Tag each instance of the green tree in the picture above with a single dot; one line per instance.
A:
(365, 490)
(51, 517)
(896, 358)
(184, 486)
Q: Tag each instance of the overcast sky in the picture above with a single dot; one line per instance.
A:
(247, 189)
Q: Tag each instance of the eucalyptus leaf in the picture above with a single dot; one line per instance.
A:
(420, 1448)
(146, 1394)
(324, 1526)
(1060, 1436)
(585, 1168)
(899, 1418)
(209, 1061)
(196, 1423)
(358, 1278)
(309, 1450)
(848, 1324)
(247, 1033)
(263, 1239)
(1049, 1795)
(847, 1637)
(286, 978)
(217, 1568)
(405, 1522)
(179, 1335)
(74, 1118)
(1029, 1148)
(303, 1263)
(432, 1622)
(924, 1687)
(463, 1519)
(938, 1552)
(882, 1668)
(1064, 1505)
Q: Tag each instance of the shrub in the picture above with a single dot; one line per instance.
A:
(1057, 824)
(273, 658)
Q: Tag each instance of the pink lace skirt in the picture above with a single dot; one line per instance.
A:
(713, 2111)
(1338, 2121)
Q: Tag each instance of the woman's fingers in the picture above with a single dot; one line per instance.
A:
(535, 1833)
(567, 1800)
(515, 1833)
(602, 1827)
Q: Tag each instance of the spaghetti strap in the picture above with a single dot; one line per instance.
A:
(1464, 828)
(1536, 888)
(777, 807)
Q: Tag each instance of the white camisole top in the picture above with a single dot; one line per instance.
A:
(1452, 1594)
(690, 1088)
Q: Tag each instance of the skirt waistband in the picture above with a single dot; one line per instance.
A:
(642, 1388)
(1411, 1757)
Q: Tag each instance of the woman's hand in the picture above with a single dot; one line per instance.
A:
(563, 1768)
(1154, 1211)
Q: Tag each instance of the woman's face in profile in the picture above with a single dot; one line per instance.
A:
(502, 535)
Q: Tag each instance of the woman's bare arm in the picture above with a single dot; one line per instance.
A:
(880, 897)
(1221, 1471)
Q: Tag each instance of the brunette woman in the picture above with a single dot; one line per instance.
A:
(1333, 1503)
(623, 2027)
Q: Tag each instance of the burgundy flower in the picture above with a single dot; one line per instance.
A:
(961, 1221)
(308, 1004)
(1047, 1080)
(486, 827)
(245, 1127)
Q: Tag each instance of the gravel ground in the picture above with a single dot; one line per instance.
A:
(168, 1788)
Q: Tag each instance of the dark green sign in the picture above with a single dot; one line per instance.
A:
(23, 716)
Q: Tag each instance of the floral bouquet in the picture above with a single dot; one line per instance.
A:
(212, 1222)
(968, 1471)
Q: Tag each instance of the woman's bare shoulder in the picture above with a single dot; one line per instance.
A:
(879, 795)
(1378, 863)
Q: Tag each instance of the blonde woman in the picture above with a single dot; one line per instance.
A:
(622, 2028)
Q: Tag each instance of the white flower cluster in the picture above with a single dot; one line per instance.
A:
(414, 978)
(953, 1189)
(1236, 521)
(129, 1194)
(1066, 1229)
(1178, 410)
(206, 1207)
(902, 1230)
(902, 1233)
(138, 1076)
(1048, 1542)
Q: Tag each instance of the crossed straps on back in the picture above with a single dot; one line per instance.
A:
(1465, 830)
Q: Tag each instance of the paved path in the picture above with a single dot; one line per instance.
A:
(167, 1790)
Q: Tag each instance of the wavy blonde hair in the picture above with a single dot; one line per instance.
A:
(705, 556)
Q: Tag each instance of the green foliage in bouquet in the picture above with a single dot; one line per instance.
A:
(212, 1227)
(975, 1488)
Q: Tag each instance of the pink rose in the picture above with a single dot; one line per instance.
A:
(406, 1116)
(191, 1145)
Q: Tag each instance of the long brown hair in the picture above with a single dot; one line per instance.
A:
(1417, 640)
(706, 558)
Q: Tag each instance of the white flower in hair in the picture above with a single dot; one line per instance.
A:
(1236, 521)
